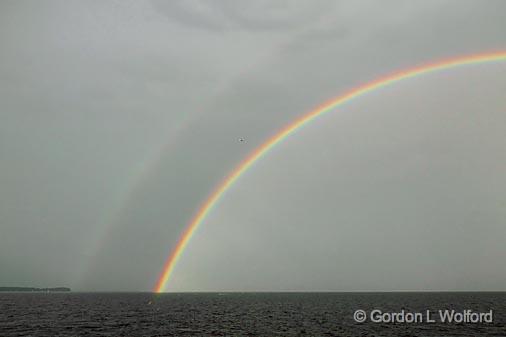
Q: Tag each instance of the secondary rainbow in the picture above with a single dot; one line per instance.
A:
(259, 152)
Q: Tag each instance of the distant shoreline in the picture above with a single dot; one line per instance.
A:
(32, 289)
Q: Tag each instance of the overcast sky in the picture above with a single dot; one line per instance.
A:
(118, 119)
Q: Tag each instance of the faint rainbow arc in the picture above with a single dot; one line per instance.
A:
(207, 206)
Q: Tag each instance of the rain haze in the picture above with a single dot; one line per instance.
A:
(119, 118)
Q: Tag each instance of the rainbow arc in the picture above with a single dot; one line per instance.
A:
(295, 125)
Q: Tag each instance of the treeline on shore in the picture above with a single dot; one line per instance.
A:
(34, 289)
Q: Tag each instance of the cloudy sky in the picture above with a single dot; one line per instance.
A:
(118, 119)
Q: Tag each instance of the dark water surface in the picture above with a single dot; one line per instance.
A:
(239, 314)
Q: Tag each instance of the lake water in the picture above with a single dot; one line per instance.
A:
(242, 314)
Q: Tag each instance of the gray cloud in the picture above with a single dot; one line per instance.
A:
(245, 15)
(92, 94)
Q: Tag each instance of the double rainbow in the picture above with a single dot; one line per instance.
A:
(291, 128)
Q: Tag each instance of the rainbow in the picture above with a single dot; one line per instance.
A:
(291, 128)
